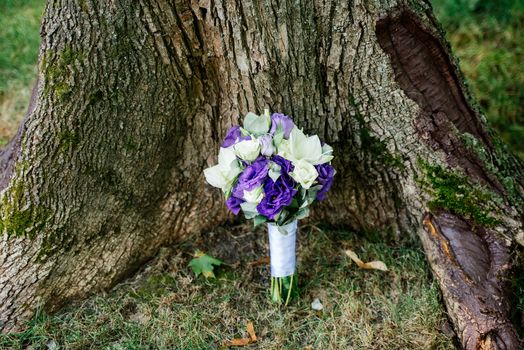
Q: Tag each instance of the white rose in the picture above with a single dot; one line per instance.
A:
(304, 173)
(225, 172)
(248, 149)
(254, 196)
(284, 150)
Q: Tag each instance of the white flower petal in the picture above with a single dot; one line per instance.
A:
(226, 156)
(254, 196)
(310, 149)
(257, 125)
(302, 147)
(304, 173)
(248, 149)
(215, 177)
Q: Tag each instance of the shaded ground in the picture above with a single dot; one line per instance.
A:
(165, 307)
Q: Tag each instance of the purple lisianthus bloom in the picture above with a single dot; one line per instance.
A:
(266, 143)
(278, 194)
(233, 136)
(233, 203)
(285, 165)
(285, 121)
(285, 168)
(325, 178)
(253, 176)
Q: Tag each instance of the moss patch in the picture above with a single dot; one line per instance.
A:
(517, 290)
(372, 145)
(68, 139)
(18, 219)
(378, 150)
(130, 144)
(58, 69)
(454, 192)
(25, 222)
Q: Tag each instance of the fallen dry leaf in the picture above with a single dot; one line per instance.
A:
(372, 265)
(239, 342)
(251, 332)
(262, 261)
(243, 341)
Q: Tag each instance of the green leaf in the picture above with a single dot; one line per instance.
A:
(311, 195)
(294, 204)
(279, 135)
(204, 264)
(282, 216)
(302, 213)
(259, 219)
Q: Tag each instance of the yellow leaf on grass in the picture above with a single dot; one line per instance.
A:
(372, 265)
(208, 274)
(239, 342)
(243, 341)
(262, 261)
(251, 332)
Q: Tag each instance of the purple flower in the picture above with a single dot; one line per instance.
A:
(233, 203)
(285, 121)
(253, 176)
(266, 143)
(285, 165)
(233, 136)
(285, 168)
(278, 194)
(325, 178)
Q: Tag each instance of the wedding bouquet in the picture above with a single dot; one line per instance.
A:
(273, 172)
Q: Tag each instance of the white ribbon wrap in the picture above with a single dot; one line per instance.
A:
(282, 249)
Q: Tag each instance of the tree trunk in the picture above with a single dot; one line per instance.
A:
(132, 101)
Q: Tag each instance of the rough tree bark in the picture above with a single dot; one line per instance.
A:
(133, 98)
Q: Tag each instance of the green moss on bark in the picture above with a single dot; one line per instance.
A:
(454, 192)
(19, 219)
(130, 144)
(371, 145)
(68, 139)
(24, 223)
(58, 69)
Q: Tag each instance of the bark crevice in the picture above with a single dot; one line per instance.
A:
(472, 268)
(425, 73)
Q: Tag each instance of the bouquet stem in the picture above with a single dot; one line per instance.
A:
(283, 258)
(283, 289)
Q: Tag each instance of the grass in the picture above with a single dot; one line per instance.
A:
(19, 41)
(486, 35)
(165, 307)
